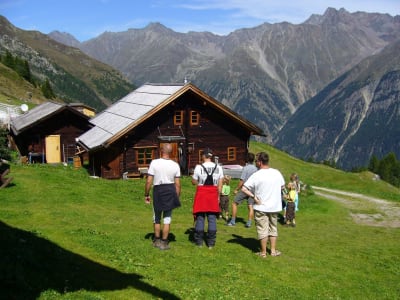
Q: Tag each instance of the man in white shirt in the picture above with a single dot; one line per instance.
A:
(265, 187)
(164, 174)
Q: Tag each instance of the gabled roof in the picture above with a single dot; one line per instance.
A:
(38, 114)
(139, 105)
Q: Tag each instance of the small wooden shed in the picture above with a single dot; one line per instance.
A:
(47, 133)
(128, 135)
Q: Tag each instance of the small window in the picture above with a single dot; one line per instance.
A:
(194, 118)
(144, 156)
(231, 153)
(178, 117)
(201, 156)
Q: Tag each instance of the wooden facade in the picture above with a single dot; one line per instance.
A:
(50, 135)
(190, 121)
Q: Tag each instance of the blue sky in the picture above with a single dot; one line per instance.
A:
(86, 19)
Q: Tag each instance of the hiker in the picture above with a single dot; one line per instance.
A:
(208, 179)
(164, 174)
(224, 197)
(265, 187)
(248, 169)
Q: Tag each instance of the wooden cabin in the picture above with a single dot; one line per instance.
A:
(128, 135)
(47, 133)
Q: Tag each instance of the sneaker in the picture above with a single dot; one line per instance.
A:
(248, 224)
(230, 223)
(157, 243)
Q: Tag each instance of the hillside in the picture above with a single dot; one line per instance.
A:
(74, 76)
(263, 73)
(353, 118)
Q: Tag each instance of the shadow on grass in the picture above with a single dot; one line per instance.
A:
(30, 265)
(250, 243)
(150, 236)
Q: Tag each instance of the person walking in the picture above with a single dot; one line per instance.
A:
(164, 175)
(208, 178)
(247, 171)
(265, 187)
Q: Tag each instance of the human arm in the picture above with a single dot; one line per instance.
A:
(147, 187)
(239, 186)
(250, 194)
(178, 186)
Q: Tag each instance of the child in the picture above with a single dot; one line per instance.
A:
(224, 197)
(290, 205)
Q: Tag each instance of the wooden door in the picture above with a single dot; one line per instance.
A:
(53, 152)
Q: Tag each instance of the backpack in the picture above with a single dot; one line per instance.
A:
(209, 179)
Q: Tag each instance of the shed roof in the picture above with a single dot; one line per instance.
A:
(133, 109)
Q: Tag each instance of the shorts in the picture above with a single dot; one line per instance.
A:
(266, 224)
(165, 214)
(242, 196)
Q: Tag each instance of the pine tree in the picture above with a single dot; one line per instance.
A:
(47, 90)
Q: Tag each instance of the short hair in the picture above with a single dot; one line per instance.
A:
(166, 148)
(250, 157)
(207, 152)
(263, 157)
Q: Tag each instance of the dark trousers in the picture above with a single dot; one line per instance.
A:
(211, 229)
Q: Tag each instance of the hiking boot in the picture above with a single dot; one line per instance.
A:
(164, 245)
(157, 242)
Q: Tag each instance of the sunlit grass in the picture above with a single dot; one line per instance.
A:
(65, 235)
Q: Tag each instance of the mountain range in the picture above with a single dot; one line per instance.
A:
(322, 89)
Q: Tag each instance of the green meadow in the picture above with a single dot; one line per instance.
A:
(65, 235)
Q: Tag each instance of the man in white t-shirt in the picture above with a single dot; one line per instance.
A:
(164, 174)
(265, 187)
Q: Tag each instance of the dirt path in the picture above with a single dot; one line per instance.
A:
(367, 210)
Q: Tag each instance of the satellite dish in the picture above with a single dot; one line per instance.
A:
(24, 107)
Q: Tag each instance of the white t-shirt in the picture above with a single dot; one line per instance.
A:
(200, 175)
(164, 171)
(266, 184)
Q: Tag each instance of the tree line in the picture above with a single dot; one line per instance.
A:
(388, 168)
(21, 67)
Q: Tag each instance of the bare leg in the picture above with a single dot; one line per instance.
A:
(234, 210)
(251, 212)
(272, 240)
(165, 231)
(157, 231)
(263, 244)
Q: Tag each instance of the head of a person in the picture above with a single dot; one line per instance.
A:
(226, 179)
(293, 177)
(207, 153)
(262, 158)
(250, 157)
(166, 148)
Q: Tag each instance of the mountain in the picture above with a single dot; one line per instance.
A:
(264, 73)
(353, 118)
(64, 38)
(73, 75)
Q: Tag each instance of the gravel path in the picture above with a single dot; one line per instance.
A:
(366, 210)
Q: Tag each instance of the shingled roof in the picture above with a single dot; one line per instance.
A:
(139, 105)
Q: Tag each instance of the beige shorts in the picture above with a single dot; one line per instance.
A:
(266, 224)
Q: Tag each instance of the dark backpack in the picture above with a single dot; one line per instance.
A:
(209, 179)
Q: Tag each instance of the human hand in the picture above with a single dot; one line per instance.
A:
(147, 199)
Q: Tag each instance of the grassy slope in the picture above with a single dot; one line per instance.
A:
(74, 237)
(14, 90)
